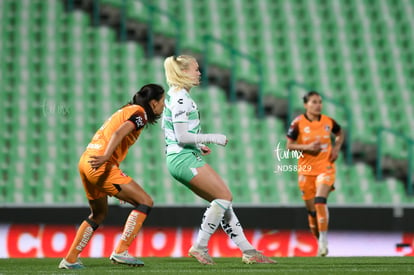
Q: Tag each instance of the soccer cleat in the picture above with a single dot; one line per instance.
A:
(66, 265)
(201, 255)
(322, 248)
(257, 258)
(125, 258)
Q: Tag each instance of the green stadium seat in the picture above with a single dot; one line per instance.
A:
(114, 3)
(137, 10)
(54, 59)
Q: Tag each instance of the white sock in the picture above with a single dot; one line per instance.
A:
(231, 225)
(323, 237)
(211, 220)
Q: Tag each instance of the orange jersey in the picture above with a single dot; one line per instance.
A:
(304, 131)
(132, 113)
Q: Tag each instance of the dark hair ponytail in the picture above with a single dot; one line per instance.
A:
(143, 98)
(308, 95)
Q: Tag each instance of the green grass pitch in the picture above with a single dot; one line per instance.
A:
(182, 266)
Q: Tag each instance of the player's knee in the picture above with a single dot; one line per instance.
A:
(145, 200)
(227, 197)
(146, 209)
(148, 201)
(98, 218)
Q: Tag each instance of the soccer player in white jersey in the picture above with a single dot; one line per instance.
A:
(185, 147)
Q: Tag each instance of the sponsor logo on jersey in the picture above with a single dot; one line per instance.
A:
(94, 146)
(179, 113)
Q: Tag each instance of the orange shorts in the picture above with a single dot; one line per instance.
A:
(308, 183)
(103, 181)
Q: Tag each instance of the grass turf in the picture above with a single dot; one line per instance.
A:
(182, 266)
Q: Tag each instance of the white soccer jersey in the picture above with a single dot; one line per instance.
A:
(179, 107)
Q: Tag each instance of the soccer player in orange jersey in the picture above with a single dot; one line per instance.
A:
(311, 133)
(102, 177)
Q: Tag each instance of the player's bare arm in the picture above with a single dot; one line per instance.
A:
(123, 130)
(312, 148)
(339, 140)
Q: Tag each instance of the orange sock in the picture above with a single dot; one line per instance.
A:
(83, 235)
(132, 226)
(313, 225)
(322, 215)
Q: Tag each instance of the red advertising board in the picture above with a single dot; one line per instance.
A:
(21, 241)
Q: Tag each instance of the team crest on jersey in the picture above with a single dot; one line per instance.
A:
(290, 131)
(327, 128)
(139, 122)
(306, 129)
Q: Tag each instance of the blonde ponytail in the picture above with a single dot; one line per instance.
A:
(175, 71)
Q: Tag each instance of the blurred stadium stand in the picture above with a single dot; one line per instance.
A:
(68, 64)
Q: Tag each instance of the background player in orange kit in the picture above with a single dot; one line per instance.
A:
(311, 133)
(101, 176)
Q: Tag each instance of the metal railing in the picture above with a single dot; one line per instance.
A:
(235, 54)
(152, 11)
(410, 164)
